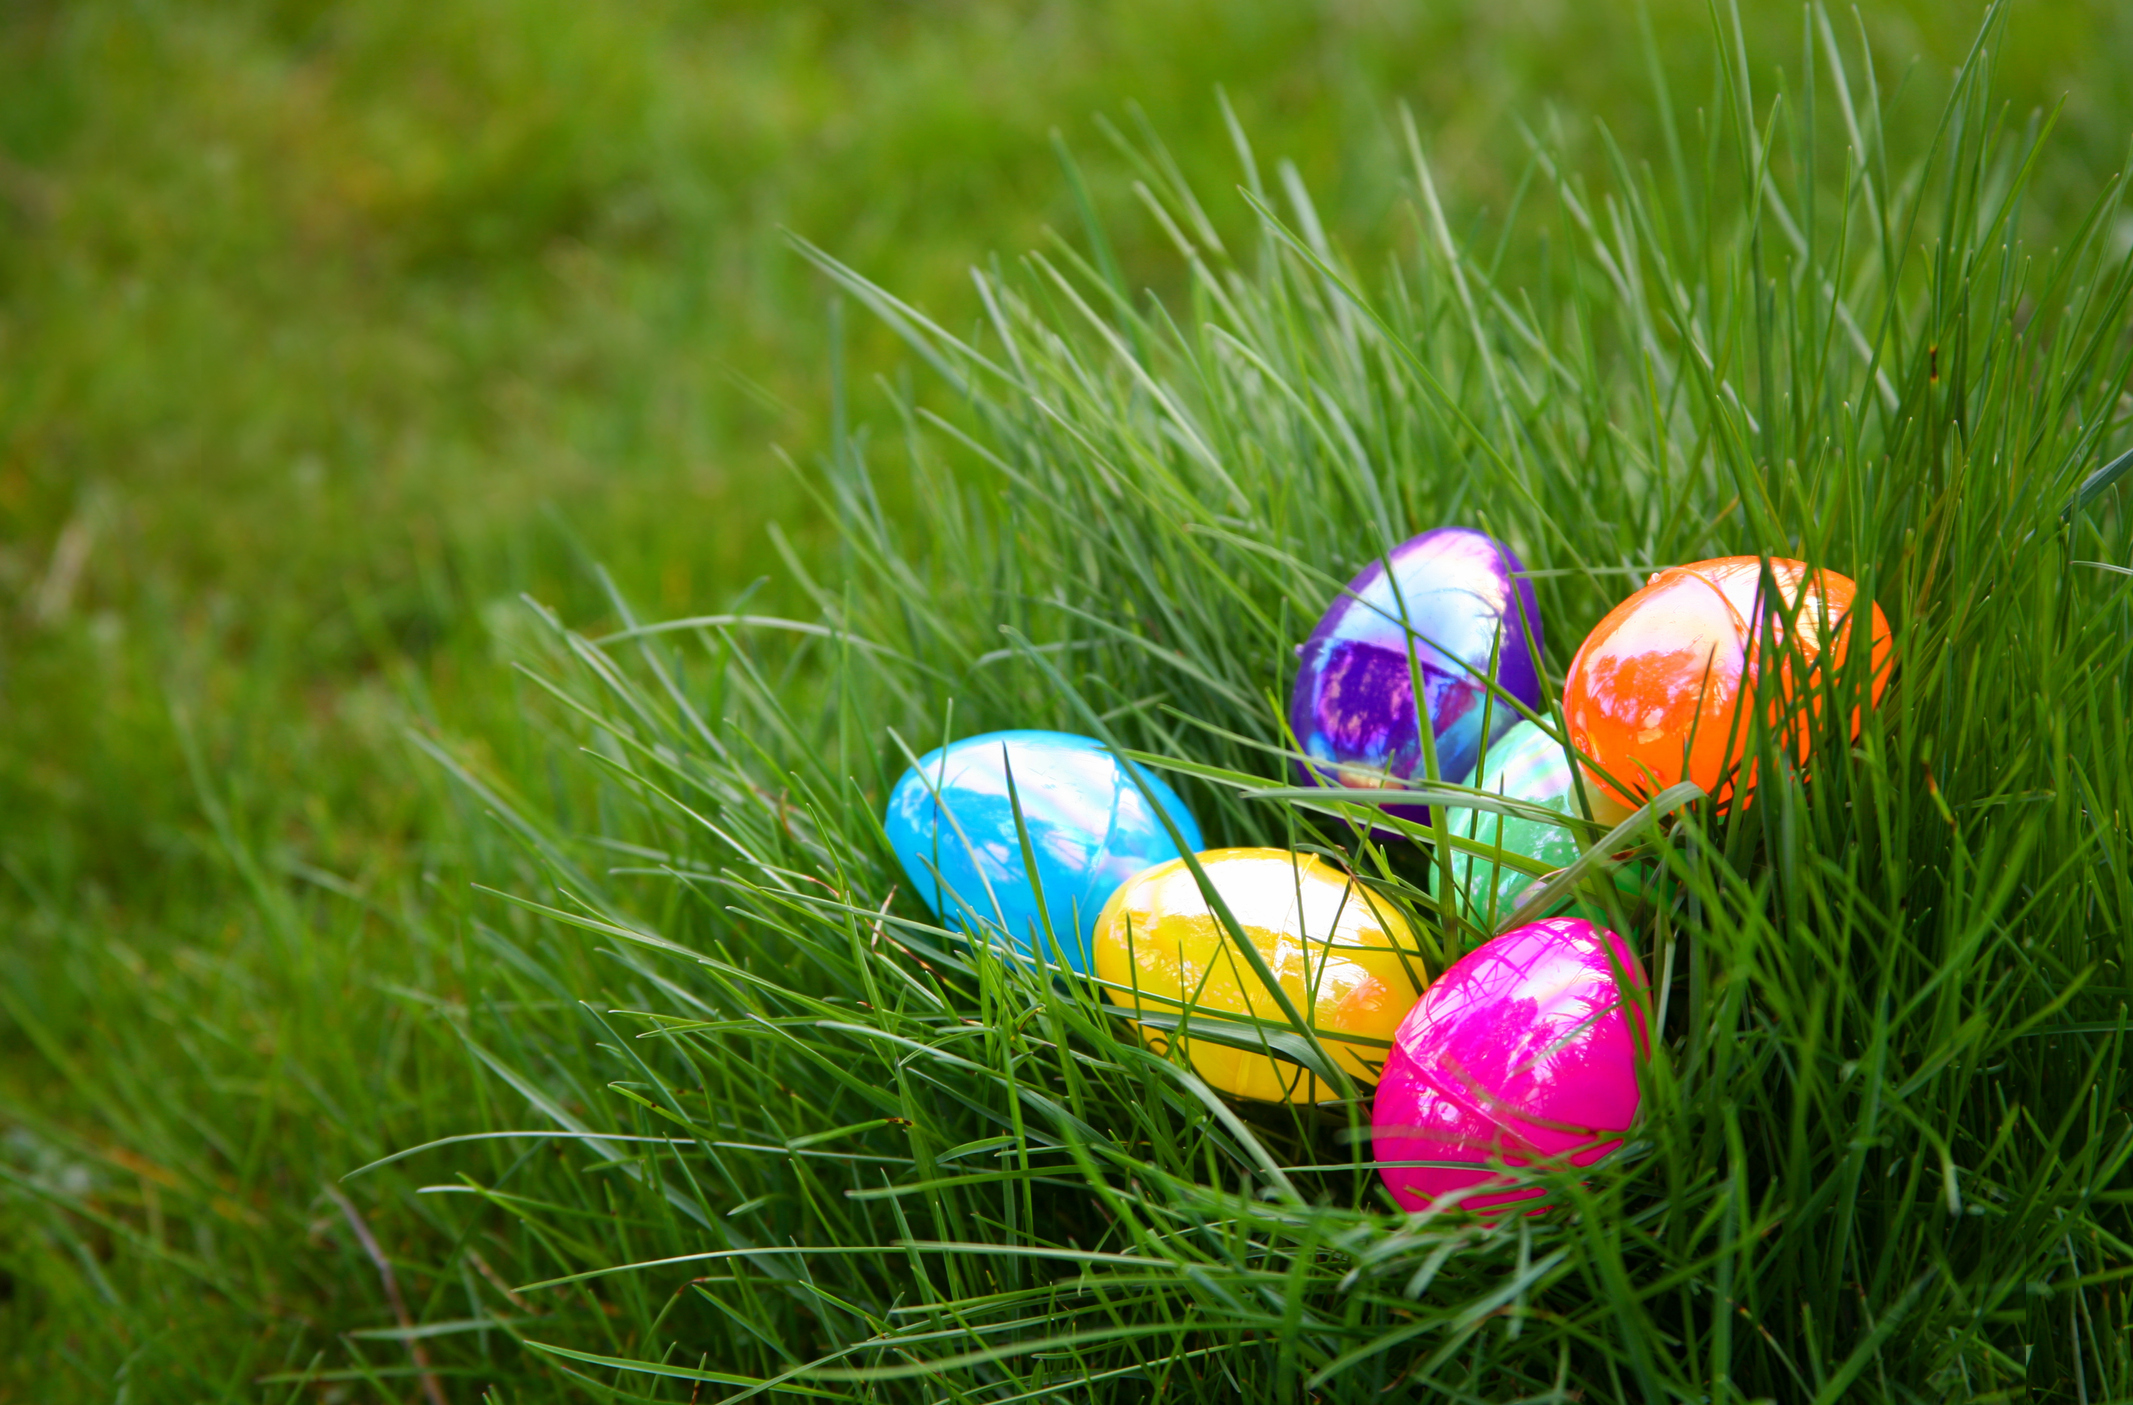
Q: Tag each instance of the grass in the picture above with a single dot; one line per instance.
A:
(1883, 1152)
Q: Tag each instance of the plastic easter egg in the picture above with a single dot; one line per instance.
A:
(1654, 695)
(1090, 828)
(1527, 765)
(1526, 1049)
(1456, 600)
(1345, 958)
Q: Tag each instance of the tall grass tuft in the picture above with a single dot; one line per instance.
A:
(790, 1139)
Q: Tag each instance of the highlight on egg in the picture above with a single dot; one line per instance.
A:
(1453, 603)
(1654, 696)
(1524, 1051)
(1347, 960)
(951, 823)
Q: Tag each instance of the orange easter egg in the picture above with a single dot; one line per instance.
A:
(1654, 694)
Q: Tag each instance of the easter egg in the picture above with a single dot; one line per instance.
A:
(1524, 1050)
(1346, 960)
(1453, 601)
(952, 824)
(1527, 765)
(1653, 696)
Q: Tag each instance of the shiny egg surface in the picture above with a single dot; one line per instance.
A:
(1654, 694)
(951, 823)
(1456, 599)
(1525, 1049)
(1346, 960)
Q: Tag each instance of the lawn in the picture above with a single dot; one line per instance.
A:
(360, 366)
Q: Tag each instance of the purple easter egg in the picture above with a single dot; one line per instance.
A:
(1525, 1050)
(1457, 598)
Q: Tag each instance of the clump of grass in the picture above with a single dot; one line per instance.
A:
(806, 1142)
(825, 1149)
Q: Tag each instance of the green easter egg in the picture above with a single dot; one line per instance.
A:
(1527, 765)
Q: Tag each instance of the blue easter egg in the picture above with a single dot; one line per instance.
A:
(1090, 828)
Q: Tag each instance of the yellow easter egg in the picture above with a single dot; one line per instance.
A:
(1347, 961)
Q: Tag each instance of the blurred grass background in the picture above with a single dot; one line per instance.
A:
(326, 330)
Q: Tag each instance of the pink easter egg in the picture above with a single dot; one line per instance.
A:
(1526, 1049)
